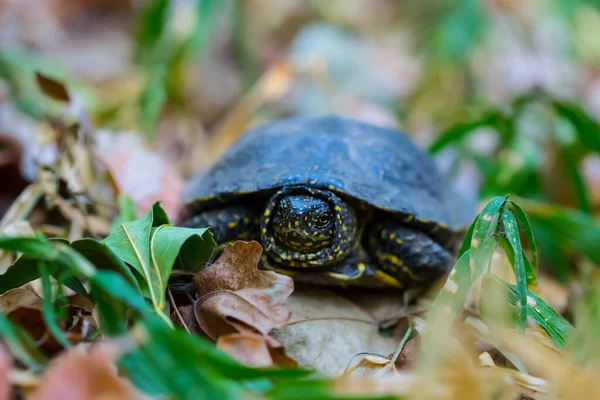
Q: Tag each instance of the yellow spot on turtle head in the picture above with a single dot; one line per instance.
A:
(344, 228)
(392, 236)
(337, 208)
(297, 223)
(267, 212)
(264, 230)
(399, 241)
(409, 218)
(232, 224)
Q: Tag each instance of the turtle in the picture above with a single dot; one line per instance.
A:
(333, 201)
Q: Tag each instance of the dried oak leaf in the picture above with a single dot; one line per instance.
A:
(253, 350)
(85, 373)
(234, 296)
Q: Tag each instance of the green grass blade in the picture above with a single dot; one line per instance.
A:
(511, 229)
(542, 313)
(466, 244)
(528, 231)
(48, 309)
(458, 132)
(21, 344)
(31, 247)
(529, 273)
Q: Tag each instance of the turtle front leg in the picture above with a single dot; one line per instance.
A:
(229, 223)
(412, 257)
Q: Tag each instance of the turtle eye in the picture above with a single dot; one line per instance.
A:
(323, 219)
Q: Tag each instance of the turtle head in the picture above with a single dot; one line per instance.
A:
(308, 227)
(303, 223)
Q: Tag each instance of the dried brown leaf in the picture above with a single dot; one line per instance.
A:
(139, 172)
(52, 88)
(327, 331)
(237, 297)
(21, 297)
(85, 373)
(247, 348)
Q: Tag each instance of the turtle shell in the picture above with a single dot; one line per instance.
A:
(378, 166)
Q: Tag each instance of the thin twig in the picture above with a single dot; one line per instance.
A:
(177, 313)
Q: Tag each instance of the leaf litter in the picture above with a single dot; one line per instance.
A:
(476, 356)
(238, 305)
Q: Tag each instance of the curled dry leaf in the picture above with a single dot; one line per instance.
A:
(23, 306)
(85, 373)
(234, 296)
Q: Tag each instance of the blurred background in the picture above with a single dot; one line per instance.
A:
(505, 94)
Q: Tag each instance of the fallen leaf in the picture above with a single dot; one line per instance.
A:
(23, 306)
(234, 296)
(327, 331)
(247, 348)
(17, 298)
(14, 229)
(85, 373)
(52, 88)
(368, 361)
(139, 172)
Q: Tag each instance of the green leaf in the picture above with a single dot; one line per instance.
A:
(170, 361)
(153, 98)
(181, 248)
(542, 313)
(32, 247)
(103, 258)
(511, 229)
(127, 211)
(567, 229)
(529, 272)
(25, 269)
(586, 128)
(112, 312)
(466, 244)
(131, 242)
(117, 287)
(528, 231)
(485, 226)
(461, 28)
(150, 29)
(459, 131)
(48, 309)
